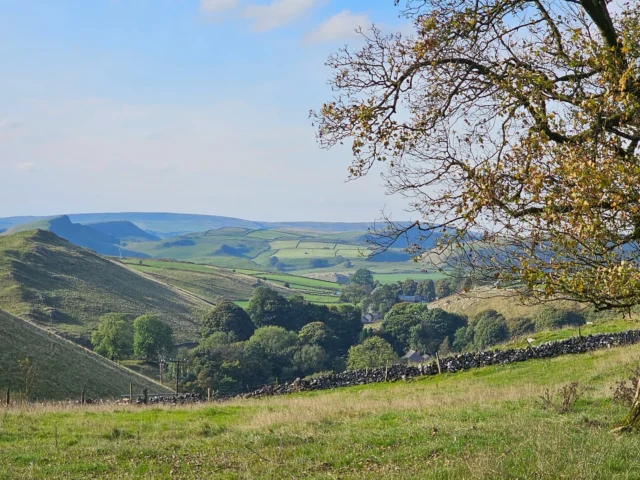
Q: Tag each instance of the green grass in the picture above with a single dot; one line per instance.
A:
(386, 278)
(482, 424)
(300, 281)
(40, 272)
(61, 369)
(599, 326)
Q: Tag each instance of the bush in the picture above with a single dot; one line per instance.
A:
(552, 318)
(490, 328)
(521, 326)
(373, 352)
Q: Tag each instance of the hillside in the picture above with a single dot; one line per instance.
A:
(213, 283)
(484, 424)
(501, 301)
(81, 235)
(243, 248)
(61, 369)
(41, 273)
(124, 230)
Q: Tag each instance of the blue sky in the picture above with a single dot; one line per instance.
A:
(196, 106)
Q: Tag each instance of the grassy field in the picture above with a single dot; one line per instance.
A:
(40, 272)
(247, 249)
(482, 424)
(213, 284)
(59, 369)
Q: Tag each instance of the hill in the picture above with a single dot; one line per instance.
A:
(287, 250)
(60, 369)
(81, 235)
(124, 230)
(42, 273)
(486, 423)
(502, 301)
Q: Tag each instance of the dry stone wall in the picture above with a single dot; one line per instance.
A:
(452, 364)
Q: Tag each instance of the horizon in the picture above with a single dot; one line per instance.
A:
(36, 216)
(179, 106)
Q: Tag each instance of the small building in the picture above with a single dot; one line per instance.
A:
(411, 298)
(368, 318)
(414, 357)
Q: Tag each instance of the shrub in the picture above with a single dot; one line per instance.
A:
(521, 326)
(490, 328)
(552, 318)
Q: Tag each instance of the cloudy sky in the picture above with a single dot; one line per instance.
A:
(196, 106)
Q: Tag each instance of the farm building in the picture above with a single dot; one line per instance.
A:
(414, 357)
(371, 318)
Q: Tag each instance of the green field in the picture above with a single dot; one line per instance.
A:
(59, 369)
(483, 424)
(212, 284)
(245, 249)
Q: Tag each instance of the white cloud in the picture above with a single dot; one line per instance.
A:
(341, 26)
(25, 167)
(214, 6)
(278, 13)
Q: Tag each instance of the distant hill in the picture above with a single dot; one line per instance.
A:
(81, 235)
(41, 272)
(61, 368)
(177, 224)
(124, 230)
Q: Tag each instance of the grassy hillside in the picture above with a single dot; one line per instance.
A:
(483, 424)
(61, 369)
(502, 301)
(213, 284)
(40, 272)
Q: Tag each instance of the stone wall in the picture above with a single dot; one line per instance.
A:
(452, 364)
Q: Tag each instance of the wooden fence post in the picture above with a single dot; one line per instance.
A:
(8, 396)
(208, 395)
(82, 398)
(438, 362)
(145, 396)
(130, 393)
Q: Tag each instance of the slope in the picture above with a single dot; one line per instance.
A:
(60, 369)
(488, 423)
(41, 273)
(504, 302)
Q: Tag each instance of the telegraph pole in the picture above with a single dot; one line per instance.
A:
(177, 361)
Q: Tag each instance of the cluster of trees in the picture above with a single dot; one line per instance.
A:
(415, 326)
(275, 339)
(118, 338)
(364, 290)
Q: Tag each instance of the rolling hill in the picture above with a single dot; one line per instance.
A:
(41, 273)
(124, 230)
(243, 248)
(60, 368)
(98, 240)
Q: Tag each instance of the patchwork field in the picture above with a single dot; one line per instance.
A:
(247, 249)
(482, 424)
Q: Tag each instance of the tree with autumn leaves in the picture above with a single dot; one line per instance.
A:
(513, 128)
